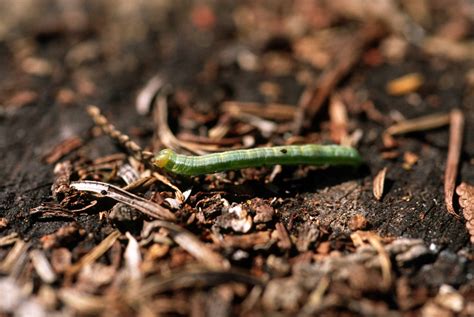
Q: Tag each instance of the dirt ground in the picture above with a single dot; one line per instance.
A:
(262, 241)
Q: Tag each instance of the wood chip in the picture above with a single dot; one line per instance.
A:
(466, 201)
(378, 184)
(424, 123)
(454, 151)
(405, 84)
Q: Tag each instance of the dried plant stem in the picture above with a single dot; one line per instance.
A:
(114, 133)
(455, 143)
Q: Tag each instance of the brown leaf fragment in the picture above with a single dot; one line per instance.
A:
(379, 182)
(466, 201)
(454, 151)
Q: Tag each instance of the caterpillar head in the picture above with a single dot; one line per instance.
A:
(163, 158)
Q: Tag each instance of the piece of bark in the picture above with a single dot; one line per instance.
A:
(466, 201)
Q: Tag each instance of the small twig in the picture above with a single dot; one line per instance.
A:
(194, 246)
(114, 133)
(428, 122)
(147, 207)
(193, 278)
(145, 97)
(454, 151)
(273, 111)
(42, 266)
(133, 147)
(339, 120)
(374, 240)
(166, 136)
(95, 253)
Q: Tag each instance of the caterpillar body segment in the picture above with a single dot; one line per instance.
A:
(310, 154)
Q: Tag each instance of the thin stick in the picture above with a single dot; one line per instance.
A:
(189, 242)
(133, 147)
(166, 136)
(455, 143)
(314, 96)
(147, 207)
(428, 122)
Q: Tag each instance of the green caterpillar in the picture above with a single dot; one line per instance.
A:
(310, 154)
